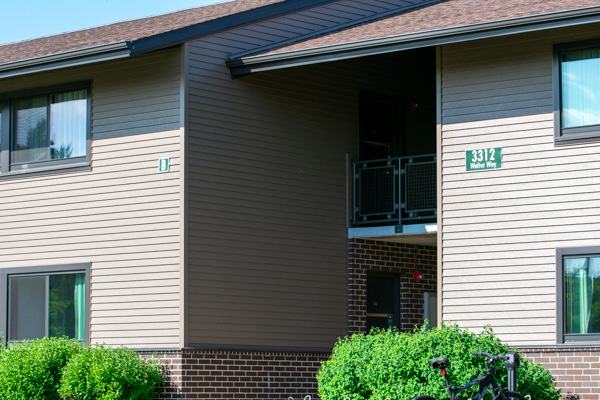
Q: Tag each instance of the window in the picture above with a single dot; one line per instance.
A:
(48, 302)
(578, 294)
(430, 314)
(576, 87)
(46, 129)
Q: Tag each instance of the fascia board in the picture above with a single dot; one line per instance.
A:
(67, 59)
(182, 35)
(152, 43)
(331, 29)
(251, 64)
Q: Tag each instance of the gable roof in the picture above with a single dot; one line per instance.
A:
(444, 21)
(137, 36)
(435, 22)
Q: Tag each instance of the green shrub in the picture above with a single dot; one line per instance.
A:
(103, 373)
(390, 364)
(31, 370)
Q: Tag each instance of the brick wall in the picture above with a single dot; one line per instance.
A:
(576, 370)
(208, 375)
(366, 256)
(195, 374)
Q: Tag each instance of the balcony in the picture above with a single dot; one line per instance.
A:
(395, 192)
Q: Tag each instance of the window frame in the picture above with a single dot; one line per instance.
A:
(577, 134)
(42, 271)
(7, 100)
(561, 337)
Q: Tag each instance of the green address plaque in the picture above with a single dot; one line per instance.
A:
(482, 159)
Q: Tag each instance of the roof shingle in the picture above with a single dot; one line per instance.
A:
(441, 15)
(124, 31)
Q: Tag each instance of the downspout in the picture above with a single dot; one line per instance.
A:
(438, 152)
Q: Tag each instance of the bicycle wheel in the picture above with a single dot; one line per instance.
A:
(431, 398)
(508, 395)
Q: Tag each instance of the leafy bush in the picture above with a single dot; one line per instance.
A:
(32, 369)
(102, 373)
(391, 364)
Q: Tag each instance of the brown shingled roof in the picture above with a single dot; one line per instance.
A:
(124, 31)
(437, 16)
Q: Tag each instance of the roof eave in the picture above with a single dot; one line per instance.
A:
(251, 64)
(149, 44)
(83, 56)
(185, 34)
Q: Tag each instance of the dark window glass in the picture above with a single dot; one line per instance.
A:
(581, 287)
(47, 306)
(580, 88)
(31, 130)
(49, 127)
(27, 308)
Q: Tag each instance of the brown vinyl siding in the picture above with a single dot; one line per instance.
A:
(122, 216)
(501, 228)
(267, 213)
(268, 196)
(267, 192)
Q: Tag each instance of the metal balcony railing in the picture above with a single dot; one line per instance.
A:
(395, 191)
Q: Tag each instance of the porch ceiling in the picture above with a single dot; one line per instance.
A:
(420, 239)
(421, 234)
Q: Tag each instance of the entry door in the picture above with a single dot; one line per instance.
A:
(380, 127)
(383, 303)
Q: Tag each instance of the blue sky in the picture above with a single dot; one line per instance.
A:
(28, 19)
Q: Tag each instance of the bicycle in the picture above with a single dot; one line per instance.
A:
(486, 382)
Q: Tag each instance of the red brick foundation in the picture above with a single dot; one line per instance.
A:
(196, 374)
(207, 375)
(576, 370)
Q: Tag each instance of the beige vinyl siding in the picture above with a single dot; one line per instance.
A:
(501, 228)
(268, 185)
(122, 216)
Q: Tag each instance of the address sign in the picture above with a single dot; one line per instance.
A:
(481, 159)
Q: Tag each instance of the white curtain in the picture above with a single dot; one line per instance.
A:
(580, 92)
(68, 124)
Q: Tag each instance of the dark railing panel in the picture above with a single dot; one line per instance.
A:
(394, 190)
(420, 187)
(376, 191)
(373, 181)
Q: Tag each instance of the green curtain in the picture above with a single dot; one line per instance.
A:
(579, 294)
(79, 302)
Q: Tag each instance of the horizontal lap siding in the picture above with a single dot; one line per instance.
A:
(501, 228)
(122, 216)
(267, 211)
(267, 197)
(290, 27)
